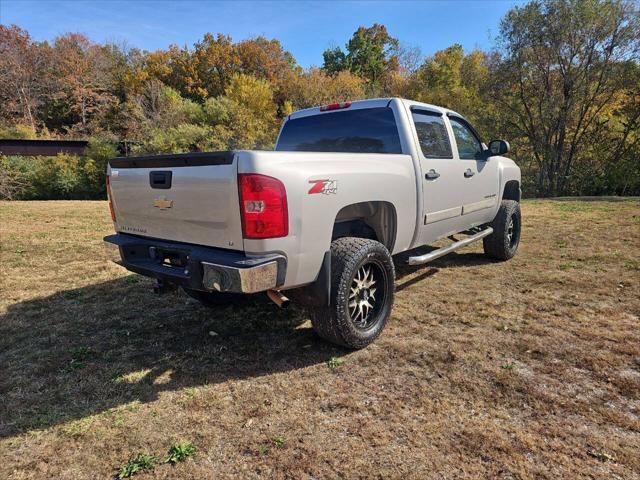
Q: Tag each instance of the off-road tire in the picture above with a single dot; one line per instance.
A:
(334, 323)
(503, 243)
(213, 299)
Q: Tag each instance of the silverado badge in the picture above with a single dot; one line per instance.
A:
(162, 203)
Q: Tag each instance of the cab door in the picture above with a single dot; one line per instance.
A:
(442, 176)
(480, 176)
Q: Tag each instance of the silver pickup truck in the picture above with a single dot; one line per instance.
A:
(348, 186)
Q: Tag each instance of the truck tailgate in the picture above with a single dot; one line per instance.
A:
(189, 198)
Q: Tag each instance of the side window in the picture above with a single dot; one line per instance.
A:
(432, 135)
(469, 145)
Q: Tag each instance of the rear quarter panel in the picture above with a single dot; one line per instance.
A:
(359, 178)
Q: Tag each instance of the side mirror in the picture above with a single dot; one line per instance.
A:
(498, 147)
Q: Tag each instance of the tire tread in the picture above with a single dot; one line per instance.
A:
(328, 321)
(496, 245)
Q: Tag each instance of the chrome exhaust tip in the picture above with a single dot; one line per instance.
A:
(278, 298)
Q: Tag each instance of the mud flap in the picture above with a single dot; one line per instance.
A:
(318, 293)
(322, 285)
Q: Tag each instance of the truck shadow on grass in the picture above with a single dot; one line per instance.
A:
(81, 352)
(85, 351)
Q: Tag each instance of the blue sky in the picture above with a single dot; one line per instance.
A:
(305, 28)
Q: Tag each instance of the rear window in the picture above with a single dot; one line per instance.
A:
(432, 135)
(366, 130)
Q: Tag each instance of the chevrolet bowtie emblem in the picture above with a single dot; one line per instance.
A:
(162, 203)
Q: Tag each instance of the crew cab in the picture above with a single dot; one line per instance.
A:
(348, 186)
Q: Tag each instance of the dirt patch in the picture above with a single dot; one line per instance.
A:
(523, 369)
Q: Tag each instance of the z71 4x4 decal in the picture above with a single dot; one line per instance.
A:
(323, 186)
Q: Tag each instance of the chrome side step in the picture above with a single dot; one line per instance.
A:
(427, 257)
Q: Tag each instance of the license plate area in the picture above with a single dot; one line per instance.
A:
(169, 257)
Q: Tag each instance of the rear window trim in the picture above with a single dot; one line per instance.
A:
(193, 159)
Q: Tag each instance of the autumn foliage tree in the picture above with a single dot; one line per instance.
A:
(24, 66)
(452, 79)
(81, 79)
(315, 87)
(562, 85)
(564, 74)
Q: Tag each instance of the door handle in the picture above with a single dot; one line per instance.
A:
(469, 173)
(431, 175)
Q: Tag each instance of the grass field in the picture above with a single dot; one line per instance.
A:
(524, 369)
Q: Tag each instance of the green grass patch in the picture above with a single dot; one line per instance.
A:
(631, 265)
(574, 207)
(568, 266)
(191, 392)
(180, 452)
(278, 441)
(42, 419)
(74, 365)
(335, 362)
(79, 356)
(140, 463)
(77, 428)
(72, 294)
(82, 353)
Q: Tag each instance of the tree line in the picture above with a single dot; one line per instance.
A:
(561, 84)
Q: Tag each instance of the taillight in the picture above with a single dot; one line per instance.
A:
(335, 106)
(113, 213)
(263, 206)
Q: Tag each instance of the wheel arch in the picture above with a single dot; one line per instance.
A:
(376, 220)
(512, 191)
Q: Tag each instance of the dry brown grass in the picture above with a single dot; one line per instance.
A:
(525, 369)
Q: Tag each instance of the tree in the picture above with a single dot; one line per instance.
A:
(371, 53)
(245, 116)
(11, 183)
(315, 87)
(164, 107)
(335, 60)
(23, 82)
(451, 79)
(609, 162)
(81, 73)
(216, 60)
(562, 85)
(562, 69)
(264, 59)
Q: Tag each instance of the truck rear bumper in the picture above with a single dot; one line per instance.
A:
(197, 267)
